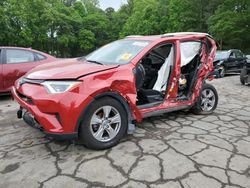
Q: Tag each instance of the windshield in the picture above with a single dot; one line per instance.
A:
(118, 52)
(221, 55)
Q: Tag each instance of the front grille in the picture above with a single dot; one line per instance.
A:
(25, 98)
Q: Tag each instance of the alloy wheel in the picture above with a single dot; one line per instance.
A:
(105, 123)
(207, 100)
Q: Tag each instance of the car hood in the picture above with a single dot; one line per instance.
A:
(66, 69)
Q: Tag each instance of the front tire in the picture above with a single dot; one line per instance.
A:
(207, 101)
(222, 71)
(242, 76)
(104, 124)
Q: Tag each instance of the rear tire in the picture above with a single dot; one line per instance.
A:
(242, 76)
(104, 124)
(207, 101)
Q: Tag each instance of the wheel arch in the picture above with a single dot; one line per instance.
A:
(119, 98)
(204, 82)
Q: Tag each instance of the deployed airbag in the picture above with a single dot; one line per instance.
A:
(188, 51)
(163, 73)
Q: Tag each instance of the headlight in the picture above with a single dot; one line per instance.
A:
(59, 86)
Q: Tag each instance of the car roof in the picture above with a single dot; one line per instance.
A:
(15, 47)
(232, 50)
(20, 48)
(177, 35)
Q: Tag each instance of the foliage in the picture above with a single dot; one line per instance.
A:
(186, 15)
(144, 19)
(70, 28)
(231, 24)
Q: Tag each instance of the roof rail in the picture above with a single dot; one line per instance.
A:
(131, 36)
(182, 33)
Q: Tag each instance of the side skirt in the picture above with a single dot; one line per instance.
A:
(163, 111)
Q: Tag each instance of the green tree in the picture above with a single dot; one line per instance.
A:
(144, 19)
(230, 24)
(191, 15)
(86, 40)
(97, 23)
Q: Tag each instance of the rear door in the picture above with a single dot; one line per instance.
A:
(16, 62)
(1, 71)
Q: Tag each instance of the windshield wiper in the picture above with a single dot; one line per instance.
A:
(96, 62)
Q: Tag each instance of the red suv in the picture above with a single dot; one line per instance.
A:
(15, 62)
(98, 98)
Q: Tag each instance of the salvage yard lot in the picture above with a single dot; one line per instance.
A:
(174, 150)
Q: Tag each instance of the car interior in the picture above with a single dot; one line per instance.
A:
(152, 75)
(155, 68)
(191, 54)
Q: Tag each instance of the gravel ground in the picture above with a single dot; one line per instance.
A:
(174, 150)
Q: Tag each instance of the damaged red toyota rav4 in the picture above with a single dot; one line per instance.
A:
(99, 97)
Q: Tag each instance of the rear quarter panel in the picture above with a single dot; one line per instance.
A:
(207, 68)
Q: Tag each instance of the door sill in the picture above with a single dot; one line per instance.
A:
(167, 110)
(149, 105)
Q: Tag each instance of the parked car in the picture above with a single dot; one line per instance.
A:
(245, 72)
(230, 61)
(100, 97)
(15, 62)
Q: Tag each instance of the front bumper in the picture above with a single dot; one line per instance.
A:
(50, 113)
(31, 121)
